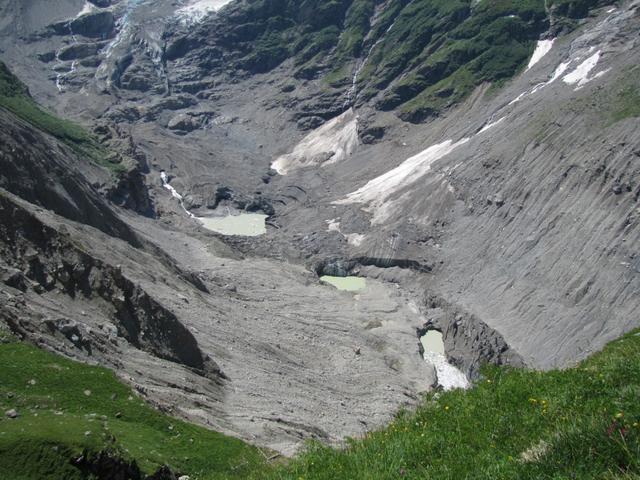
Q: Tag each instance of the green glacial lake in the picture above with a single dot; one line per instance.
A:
(243, 224)
(348, 284)
(432, 342)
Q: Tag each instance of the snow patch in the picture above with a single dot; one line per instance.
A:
(198, 10)
(518, 98)
(490, 125)
(330, 143)
(333, 225)
(354, 239)
(409, 171)
(87, 8)
(449, 377)
(580, 75)
(542, 48)
(560, 69)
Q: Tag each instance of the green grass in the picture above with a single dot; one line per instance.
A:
(458, 44)
(626, 97)
(14, 96)
(578, 423)
(574, 8)
(49, 393)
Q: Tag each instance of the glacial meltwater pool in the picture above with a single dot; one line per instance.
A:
(432, 342)
(448, 376)
(242, 224)
(349, 284)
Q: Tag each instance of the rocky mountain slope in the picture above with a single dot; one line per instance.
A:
(477, 161)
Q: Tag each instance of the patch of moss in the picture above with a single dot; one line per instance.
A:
(626, 102)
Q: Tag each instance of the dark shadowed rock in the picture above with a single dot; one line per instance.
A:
(96, 24)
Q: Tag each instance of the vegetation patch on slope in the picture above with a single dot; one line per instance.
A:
(15, 97)
(582, 422)
(418, 56)
(626, 97)
(67, 410)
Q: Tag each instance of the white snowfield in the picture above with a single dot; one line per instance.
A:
(377, 193)
(330, 143)
(198, 10)
(542, 48)
(378, 190)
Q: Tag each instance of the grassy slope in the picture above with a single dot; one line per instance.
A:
(625, 101)
(55, 413)
(14, 96)
(437, 52)
(516, 424)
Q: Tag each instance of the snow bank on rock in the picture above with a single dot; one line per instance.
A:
(449, 377)
(198, 10)
(330, 143)
(542, 48)
(376, 191)
(87, 8)
(560, 69)
(580, 75)
(354, 239)
(491, 124)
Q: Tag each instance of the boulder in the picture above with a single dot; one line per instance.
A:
(14, 278)
(183, 123)
(11, 413)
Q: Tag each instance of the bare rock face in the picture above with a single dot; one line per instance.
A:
(141, 320)
(79, 51)
(97, 24)
(46, 173)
